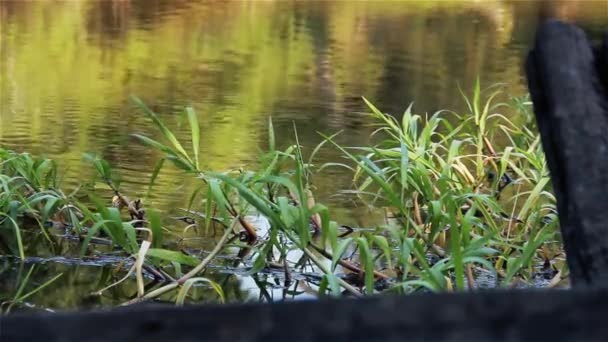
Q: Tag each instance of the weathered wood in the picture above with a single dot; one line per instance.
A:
(485, 316)
(571, 106)
(603, 61)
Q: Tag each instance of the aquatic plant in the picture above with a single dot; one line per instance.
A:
(466, 199)
(29, 190)
(454, 199)
(456, 207)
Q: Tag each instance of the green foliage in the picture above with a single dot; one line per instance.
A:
(423, 177)
(29, 188)
(462, 194)
(454, 203)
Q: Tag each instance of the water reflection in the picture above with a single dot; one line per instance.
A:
(67, 70)
(79, 282)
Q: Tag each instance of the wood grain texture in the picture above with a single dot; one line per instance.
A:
(571, 107)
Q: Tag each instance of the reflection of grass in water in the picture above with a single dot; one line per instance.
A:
(21, 296)
(455, 204)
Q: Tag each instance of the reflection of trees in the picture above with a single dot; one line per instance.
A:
(68, 68)
(423, 53)
(109, 19)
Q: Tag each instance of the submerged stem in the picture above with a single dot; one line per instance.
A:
(348, 287)
(218, 247)
(199, 268)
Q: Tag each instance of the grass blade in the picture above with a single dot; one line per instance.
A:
(195, 133)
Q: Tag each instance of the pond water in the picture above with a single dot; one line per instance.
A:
(67, 70)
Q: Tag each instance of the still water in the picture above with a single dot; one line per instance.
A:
(67, 70)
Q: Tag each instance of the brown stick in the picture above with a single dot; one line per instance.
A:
(316, 218)
(470, 278)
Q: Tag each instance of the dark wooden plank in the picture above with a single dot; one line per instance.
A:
(571, 108)
(484, 316)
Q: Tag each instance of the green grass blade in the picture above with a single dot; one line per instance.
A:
(155, 172)
(39, 288)
(257, 201)
(156, 228)
(164, 130)
(271, 137)
(173, 256)
(368, 262)
(195, 133)
(183, 292)
(23, 283)
(17, 236)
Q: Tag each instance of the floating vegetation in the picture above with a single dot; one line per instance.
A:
(466, 200)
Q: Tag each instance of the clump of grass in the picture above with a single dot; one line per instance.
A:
(454, 198)
(464, 195)
(29, 190)
(456, 205)
(278, 190)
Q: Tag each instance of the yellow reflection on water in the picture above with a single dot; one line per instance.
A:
(68, 68)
